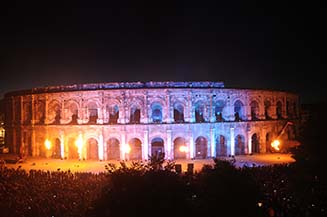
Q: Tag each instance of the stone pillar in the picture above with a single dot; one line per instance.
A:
(100, 150)
(213, 144)
(33, 110)
(62, 145)
(100, 116)
(232, 141)
(122, 146)
(191, 146)
(169, 146)
(33, 143)
(145, 146)
(249, 142)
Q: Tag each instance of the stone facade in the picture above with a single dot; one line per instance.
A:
(179, 119)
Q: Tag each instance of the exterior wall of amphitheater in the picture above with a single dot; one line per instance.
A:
(179, 119)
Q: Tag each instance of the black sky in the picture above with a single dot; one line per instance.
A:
(250, 44)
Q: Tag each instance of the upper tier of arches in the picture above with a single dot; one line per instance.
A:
(144, 106)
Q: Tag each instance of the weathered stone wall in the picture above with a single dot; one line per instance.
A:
(210, 119)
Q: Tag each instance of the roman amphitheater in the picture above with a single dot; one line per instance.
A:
(136, 120)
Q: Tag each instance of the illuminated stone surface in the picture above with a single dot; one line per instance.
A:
(151, 117)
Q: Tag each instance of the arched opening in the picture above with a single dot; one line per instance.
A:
(135, 115)
(93, 113)
(55, 112)
(238, 110)
(180, 149)
(201, 147)
(56, 150)
(178, 113)
(219, 111)
(239, 145)
(113, 114)
(136, 149)
(27, 113)
(268, 142)
(73, 109)
(279, 110)
(156, 113)
(92, 149)
(113, 149)
(267, 110)
(157, 147)
(72, 149)
(221, 146)
(254, 110)
(40, 112)
(199, 112)
(255, 145)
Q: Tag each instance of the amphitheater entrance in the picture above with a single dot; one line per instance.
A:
(221, 147)
(157, 147)
(239, 145)
(136, 149)
(201, 147)
(56, 149)
(92, 149)
(113, 150)
(180, 148)
(255, 145)
(72, 149)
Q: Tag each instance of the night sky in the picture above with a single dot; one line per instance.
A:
(245, 44)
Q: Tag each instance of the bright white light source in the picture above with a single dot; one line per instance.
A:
(127, 148)
(183, 148)
(275, 144)
(47, 144)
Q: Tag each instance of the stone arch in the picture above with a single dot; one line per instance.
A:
(135, 114)
(113, 149)
(219, 110)
(255, 143)
(113, 113)
(221, 146)
(157, 146)
(56, 148)
(136, 149)
(72, 148)
(178, 143)
(268, 113)
(279, 110)
(156, 112)
(92, 149)
(238, 110)
(27, 109)
(92, 108)
(254, 105)
(199, 110)
(201, 147)
(40, 111)
(178, 112)
(54, 112)
(269, 139)
(239, 145)
(72, 110)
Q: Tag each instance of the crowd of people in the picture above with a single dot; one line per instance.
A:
(64, 193)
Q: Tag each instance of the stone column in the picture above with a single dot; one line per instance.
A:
(249, 142)
(213, 144)
(145, 146)
(232, 141)
(169, 146)
(191, 146)
(62, 145)
(122, 146)
(100, 150)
